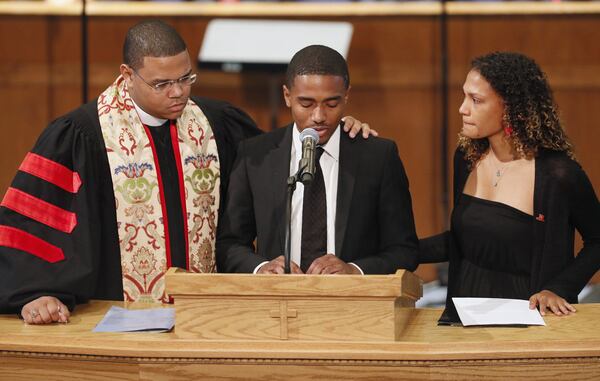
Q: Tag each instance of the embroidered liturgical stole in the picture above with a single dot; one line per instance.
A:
(139, 197)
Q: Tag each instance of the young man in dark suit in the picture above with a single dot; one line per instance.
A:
(355, 217)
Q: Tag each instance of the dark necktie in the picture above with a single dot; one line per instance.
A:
(314, 218)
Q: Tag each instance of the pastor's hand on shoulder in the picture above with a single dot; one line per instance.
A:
(45, 310)
(547, 300)
(353, 126)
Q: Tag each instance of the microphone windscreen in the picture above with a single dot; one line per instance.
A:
(309, 133)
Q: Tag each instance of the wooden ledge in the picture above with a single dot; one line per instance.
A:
(180, 282)
(39, 8)
(289, 9)
(521, 8)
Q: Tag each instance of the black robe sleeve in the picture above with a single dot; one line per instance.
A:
(25, 276)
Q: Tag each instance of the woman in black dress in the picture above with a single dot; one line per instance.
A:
(519, 194)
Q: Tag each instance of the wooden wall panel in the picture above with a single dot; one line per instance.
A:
(40, 79)
(23, 81)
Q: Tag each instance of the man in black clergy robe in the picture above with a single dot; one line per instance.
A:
(119, 190)
(355, 216)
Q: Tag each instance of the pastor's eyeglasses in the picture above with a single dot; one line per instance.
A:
(186, 80)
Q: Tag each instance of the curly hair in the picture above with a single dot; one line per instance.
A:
(530, 110)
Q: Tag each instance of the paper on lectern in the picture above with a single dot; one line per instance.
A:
(496, 311)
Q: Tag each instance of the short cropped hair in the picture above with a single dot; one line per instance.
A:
(151, 38)
(317, 60)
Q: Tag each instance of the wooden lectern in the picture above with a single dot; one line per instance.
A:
(292, 307)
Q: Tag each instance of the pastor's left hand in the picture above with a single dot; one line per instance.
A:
(353, 126)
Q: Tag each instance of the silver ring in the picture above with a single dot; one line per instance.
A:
(34, 314)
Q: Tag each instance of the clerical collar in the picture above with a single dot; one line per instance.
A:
(146, 118)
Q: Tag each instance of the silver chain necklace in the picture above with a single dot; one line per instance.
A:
(500, 171)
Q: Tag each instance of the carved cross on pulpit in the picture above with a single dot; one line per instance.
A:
(283, 314)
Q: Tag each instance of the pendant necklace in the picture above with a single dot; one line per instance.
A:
(500, 171)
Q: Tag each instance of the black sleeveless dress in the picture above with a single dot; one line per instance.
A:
(495, 241)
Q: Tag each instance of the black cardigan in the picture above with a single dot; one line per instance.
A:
(564, 200)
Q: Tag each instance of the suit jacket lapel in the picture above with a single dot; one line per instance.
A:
(279, 159)
(348, 165)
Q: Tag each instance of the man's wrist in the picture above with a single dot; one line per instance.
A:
(358, 268)
(257, 268)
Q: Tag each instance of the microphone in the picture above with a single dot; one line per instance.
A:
(306, 169)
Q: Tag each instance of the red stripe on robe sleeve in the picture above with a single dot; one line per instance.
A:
(21, 240)
(51, 171)
(39, 210)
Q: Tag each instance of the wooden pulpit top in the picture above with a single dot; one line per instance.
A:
(571, 336)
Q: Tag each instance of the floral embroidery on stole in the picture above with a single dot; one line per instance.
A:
(138, 197)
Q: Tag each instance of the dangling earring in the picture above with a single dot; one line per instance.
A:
(508, 130)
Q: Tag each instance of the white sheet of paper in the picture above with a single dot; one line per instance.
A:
(119, 319)
(496, 311)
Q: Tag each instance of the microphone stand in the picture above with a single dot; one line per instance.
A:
(291, 187)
